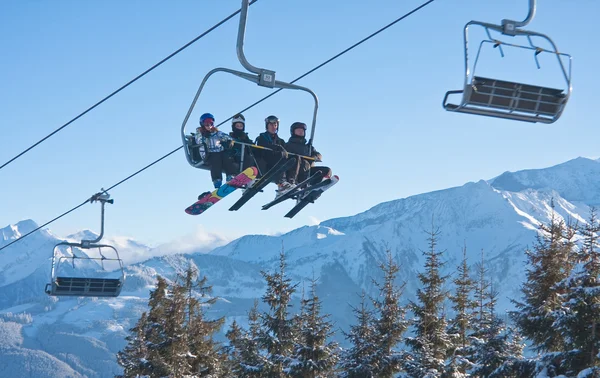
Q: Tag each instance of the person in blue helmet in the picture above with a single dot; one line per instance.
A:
(213, 144)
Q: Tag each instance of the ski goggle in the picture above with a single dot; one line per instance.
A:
(208, 122)
(238, 119)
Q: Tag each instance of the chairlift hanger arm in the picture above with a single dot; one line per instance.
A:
(520, 24)
(103, 198)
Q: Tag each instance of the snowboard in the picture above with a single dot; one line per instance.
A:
(210, 198)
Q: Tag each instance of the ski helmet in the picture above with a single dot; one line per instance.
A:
(206, 116)
(297, 125)
(238, 118)
(272, 119)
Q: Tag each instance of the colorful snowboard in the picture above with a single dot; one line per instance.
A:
(216, 195)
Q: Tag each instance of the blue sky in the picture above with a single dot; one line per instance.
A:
(380, 127)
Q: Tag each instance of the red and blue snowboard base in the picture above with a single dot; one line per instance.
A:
(216, 195)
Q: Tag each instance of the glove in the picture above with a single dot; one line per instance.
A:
(281, 149)
(227, 143)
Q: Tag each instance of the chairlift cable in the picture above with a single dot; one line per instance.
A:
(337, 56)
(125, 86)
(264, 98)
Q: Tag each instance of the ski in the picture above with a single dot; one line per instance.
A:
(311, 196)
(261, 183)
(296, 190)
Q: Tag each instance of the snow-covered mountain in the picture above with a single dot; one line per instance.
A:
(499, 216)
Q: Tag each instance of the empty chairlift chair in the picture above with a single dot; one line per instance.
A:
(82, 279)
(507, 99)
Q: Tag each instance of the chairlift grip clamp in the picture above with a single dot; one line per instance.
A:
(509, 27)
(266, 78)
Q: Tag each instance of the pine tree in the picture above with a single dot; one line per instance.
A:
(246, 360)
(389, 323)
(133, 357)
(494, 344)
(550, 262)
(277, 333)
(157, 339)
(482, 317)
(431, 343)
(203, 351)
(175, 350)
(173, 338)
(358, 361)
(235, 335)
(313, 356)
(580, 321)
(462, 323)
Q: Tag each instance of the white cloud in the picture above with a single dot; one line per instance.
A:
(313, 221)
(198, 241)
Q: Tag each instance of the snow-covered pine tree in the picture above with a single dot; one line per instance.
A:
(482, 317)
(314, 354)
(389, 321)
(579, 322)
(245, 356)
(461, 325)
(493, 344)
(431, 343)
(550, 262)
(277, 334)
(157, 339)
(358, 360)
(175, 349)
(203, 352)
(235, 335)
(133, 357)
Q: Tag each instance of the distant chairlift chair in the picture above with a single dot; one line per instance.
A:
(80, 286)
(506, 99)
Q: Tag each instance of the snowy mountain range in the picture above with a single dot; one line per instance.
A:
(72, 337)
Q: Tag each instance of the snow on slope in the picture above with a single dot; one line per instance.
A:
(575, 180)
(499, 216)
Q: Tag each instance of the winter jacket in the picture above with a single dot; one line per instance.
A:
(269, 141)
(240, 136)
(211, 141)
(298, 145)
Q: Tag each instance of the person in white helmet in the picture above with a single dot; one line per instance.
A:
(238, 133)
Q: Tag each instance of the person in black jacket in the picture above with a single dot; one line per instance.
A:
(304, 168)
(268, 159)
(239, 134)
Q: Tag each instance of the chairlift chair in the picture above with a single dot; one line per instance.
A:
(507, 99)
(262, 77)
(82, 285)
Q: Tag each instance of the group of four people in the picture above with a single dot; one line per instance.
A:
(223, 152)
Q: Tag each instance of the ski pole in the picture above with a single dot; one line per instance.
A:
(270, 149)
